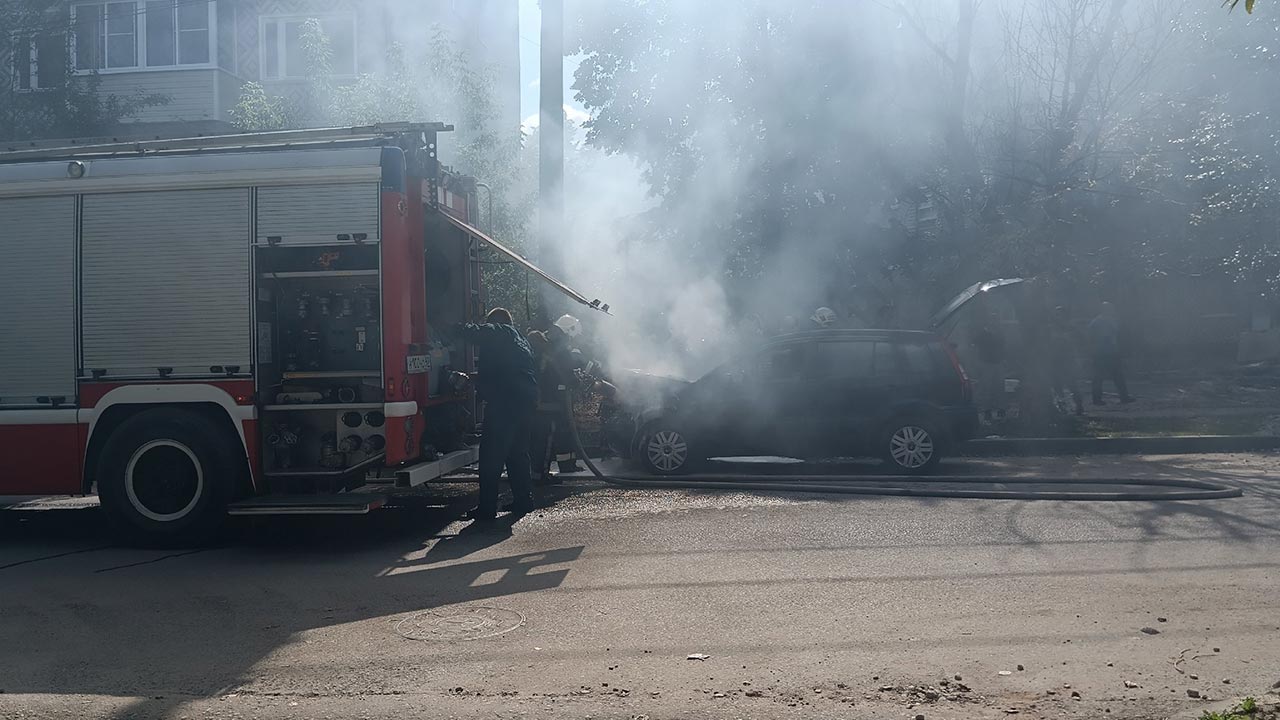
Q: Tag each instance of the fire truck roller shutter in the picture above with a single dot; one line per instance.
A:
(165, 282)
(37, 280)
(318, 213)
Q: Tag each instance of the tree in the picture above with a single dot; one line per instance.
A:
(256, 110)
(61, 103)
(1046, 134)
(760, 129)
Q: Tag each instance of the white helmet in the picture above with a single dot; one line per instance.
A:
(569, 325)
(824, 317)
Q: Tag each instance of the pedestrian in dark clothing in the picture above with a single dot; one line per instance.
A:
(1063, 360)
(988, 345)
(1104, 340)
(509, 388)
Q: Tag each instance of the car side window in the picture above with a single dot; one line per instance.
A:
(893, 359)
(842, 360)
(922, 358)
(785, 362)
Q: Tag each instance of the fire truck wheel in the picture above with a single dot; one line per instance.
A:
(165, 476)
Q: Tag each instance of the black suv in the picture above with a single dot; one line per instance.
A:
(894, 394)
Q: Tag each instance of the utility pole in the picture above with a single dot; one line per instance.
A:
(551, 140)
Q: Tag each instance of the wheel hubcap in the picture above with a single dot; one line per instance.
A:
(164, 480)
(667, 450)
(911, 447)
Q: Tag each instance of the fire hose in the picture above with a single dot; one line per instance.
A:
(895, 486)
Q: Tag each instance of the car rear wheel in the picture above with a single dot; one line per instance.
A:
(666, 450)
(912, 446)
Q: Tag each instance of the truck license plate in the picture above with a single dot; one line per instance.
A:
(416, 364)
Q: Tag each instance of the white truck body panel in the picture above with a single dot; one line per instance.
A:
(165, 278)
(37, 299)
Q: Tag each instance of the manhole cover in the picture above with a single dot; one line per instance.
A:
(470, 623)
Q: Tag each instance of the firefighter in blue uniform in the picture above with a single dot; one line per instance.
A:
(507, 384)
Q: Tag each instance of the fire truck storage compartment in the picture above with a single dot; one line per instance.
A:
(318, 213)
(309, 441)
(165, 283)
(319, 358)
(37, 281)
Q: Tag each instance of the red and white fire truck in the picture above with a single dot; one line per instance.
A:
(252, 323)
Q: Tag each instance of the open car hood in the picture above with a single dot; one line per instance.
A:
(640, 390)
(517, 258)
(948, 311)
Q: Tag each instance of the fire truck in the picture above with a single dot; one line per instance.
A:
(241, 324)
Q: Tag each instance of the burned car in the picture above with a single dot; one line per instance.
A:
(899, 395)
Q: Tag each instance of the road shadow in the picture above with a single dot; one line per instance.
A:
(81, 612)
(200, 625)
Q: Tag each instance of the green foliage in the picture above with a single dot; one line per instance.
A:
(754, 131)
(258, 111)
(784, 144)
(1245, 710)
(75, 108)
(1248, 5)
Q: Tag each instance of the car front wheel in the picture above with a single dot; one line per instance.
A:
(912, 447)
(666, 450)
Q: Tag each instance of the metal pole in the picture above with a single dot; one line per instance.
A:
(551, 137)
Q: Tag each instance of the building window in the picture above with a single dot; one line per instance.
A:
(225, 31)
(39, 61)
(284, 53)
(153, 34)
(177, 33)
(106, 35)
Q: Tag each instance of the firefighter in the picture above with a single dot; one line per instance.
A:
(509, 388)
(541, 443)
(564, 363)
(823, 317)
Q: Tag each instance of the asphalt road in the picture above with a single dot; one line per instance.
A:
(805, 606)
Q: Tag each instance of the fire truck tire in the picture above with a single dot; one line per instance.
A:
(165, 476)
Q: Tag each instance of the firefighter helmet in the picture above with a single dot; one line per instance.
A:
(570, 325)
(824, 317)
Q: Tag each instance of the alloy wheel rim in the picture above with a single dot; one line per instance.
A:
(667, 450)
(911, 447)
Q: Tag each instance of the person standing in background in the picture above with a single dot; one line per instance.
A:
(1064, 365)
(987, 342)
(1104, 341)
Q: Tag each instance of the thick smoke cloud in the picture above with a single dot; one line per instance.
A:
(748, 161)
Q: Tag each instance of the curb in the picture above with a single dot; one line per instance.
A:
(997, 447)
